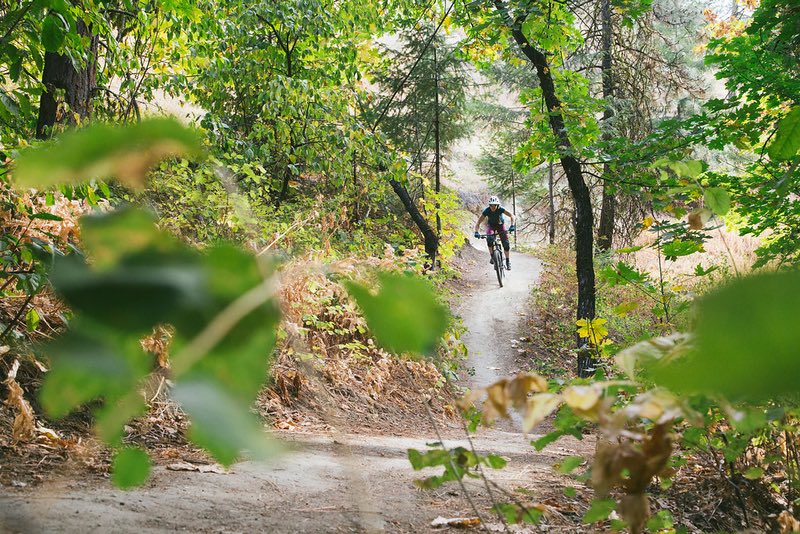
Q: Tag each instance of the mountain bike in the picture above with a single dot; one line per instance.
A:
(497, 255)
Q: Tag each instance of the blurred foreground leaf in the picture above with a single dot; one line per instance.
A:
(220, 425)
(404, 315)
(105, 151)
(131, 467)
(747, 343)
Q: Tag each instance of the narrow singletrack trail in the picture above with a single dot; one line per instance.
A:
(493, 315)
(326, 482)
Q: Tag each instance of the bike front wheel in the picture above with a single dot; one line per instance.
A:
(498, 266)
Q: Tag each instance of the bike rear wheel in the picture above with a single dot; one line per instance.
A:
(498, 265)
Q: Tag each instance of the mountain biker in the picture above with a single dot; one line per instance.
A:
(494, 217)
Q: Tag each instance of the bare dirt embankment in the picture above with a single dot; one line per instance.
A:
(333, 481)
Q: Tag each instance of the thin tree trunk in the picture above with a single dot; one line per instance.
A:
(605, 230)
(60, 73)
(437, 148)
(551, 194)
(584, 227)
(430, 239)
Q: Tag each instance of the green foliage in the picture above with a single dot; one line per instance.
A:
(142, 278)
(458, 463)
(744, 351)
(404, 315)
(515, 514)
(105, 151)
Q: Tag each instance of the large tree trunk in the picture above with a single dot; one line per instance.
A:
(77, 84)
(605, 230)
(429, 235)
(584, 226)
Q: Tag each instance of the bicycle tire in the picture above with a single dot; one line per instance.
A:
(498, 266)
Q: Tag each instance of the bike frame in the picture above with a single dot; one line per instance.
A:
(497, 255)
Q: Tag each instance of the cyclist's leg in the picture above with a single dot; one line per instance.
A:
(506, 246)
(490, 243)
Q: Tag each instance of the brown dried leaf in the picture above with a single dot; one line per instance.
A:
(521, 385)
(788, 523)
(635, 509)
(497, 401)
(24, 426)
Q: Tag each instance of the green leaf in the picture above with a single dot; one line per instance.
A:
(109, 237)
(718, 200)
(46, 216)
(787, 137)
(680, 247)
(404, 316)
(754, 473)
(102, 151)
(496, 462)
(221, 425)
(570, 491)
(32, 319)
(568, 464)
(599, 510)
(746, 341)
(131, 467)
(110, 419)
(147, 290)
(85, 367)
(53, 33)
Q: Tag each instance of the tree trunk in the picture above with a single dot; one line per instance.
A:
(605, 230)
(437, 148)
(584, 227)
(429, 235)
(552, 201)
(60, 73)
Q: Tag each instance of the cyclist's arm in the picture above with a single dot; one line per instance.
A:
(509, 214)
(478, 224)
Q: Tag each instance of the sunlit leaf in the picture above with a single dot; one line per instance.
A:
(718, 200)
(787, 137)
(103, 151)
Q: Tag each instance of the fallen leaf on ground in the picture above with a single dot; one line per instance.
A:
(457, 522)
(201, 468)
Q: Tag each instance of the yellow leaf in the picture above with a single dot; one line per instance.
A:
(538, 407)
(584, 400)
(647, 222)
(594, 330)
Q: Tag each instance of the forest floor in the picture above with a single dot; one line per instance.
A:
(346, 479)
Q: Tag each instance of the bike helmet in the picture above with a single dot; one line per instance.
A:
(494, 200)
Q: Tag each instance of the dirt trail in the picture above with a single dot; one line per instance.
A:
(327, 482)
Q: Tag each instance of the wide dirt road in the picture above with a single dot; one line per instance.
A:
(330, 482)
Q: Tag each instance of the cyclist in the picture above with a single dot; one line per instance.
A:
(494, 217)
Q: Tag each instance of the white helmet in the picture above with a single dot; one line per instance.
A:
(494, 200)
